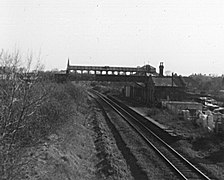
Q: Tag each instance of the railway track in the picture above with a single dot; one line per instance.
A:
(181, 166)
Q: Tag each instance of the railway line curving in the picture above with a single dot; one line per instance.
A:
(180, 165)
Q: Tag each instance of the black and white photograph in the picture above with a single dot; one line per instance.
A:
(111, 90)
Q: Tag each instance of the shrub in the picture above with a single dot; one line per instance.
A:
(31, 108)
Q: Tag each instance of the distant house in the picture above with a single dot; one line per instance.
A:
(168, 87)
(158, 88)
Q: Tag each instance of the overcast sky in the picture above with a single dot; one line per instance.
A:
(187, 35)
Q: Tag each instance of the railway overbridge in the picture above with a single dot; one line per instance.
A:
(108, 73)
(148, 85)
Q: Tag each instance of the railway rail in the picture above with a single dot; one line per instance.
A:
(183, 168)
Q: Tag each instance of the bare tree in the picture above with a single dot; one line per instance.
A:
(21, 95)
(31, 107)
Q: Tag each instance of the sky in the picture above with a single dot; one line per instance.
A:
(188, 36)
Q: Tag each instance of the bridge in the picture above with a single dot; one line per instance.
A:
(153, 84)
(108, 73)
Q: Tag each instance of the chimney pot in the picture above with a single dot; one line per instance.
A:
(161, 67)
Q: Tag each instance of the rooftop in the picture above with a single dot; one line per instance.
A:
(168, 81)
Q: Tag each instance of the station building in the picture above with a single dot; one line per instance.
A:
(158, 88)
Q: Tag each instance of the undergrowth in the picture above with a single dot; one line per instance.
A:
(32, 107)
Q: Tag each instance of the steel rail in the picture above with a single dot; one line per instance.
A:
(121, 111)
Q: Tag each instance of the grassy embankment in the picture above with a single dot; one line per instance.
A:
(42, 132)
(32, 114)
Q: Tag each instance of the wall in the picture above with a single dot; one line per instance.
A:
(177, 106)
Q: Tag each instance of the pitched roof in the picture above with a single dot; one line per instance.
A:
(163, 81)
(167, 81)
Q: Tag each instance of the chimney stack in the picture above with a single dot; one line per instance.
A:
(161, 67)
(68, 64)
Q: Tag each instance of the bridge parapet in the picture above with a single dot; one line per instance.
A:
(141, 71)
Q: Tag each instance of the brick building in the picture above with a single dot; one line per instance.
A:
(158, 88)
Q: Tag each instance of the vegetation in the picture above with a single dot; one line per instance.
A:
(32, 107)
(212, 84)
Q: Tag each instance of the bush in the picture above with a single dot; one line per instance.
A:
(31, 108)
(33, 119)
